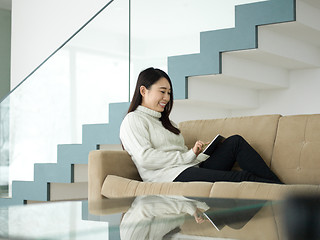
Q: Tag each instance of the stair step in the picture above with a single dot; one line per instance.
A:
(6, 202)
(106, 133)
(114, 147)
(187, 109)
(25, 191)
(307, 13)
(286, 51)
(287, 45)
(74, 153)
(30, 190)
(53, 172)
(252, 74)
(62, 173)
(118, 111)
(246, 73)
(68, 191)
(221, 95)
(98, 133)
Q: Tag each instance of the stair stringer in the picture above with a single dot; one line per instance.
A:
(213, 43)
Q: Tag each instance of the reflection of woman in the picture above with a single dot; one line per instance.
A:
(152, 217)
(158, 149)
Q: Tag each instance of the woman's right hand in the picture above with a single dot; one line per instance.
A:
(197, 149)
(199, 217)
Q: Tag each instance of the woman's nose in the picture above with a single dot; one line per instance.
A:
(167, 97)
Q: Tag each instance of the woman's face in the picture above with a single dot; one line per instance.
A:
(157, 97)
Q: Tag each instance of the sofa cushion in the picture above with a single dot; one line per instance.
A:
(116, 187)
(263, 191)
(296, 157)
(259, 131)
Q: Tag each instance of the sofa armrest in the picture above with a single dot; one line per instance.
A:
(103, 163)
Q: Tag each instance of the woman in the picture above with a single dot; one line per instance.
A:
(158, 150)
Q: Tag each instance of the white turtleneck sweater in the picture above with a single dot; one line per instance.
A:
(159, 155)
(152, 217)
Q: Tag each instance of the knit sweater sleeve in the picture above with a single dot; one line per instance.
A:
(135, 135)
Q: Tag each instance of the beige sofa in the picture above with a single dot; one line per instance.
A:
(290, 145)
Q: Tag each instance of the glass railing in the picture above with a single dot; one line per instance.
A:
(98, 65)
(74, 86)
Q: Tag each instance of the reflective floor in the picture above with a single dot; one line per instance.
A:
(163, 217)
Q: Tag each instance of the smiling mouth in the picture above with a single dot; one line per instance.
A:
(163, 104)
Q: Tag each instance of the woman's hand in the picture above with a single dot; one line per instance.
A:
(197, 149)
(198, 216)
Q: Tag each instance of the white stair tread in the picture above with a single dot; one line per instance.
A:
(68, 191)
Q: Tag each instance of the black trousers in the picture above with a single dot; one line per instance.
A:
(218, 166)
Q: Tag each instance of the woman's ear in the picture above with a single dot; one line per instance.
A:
(143, 90)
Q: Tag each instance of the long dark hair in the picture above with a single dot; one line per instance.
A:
(147, 78)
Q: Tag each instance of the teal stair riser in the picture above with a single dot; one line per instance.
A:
(212, 43)
(52, 172)
(27, 190)
(7, 202)
(100, 134)
(74, 153)
(30, 190)
(119, 110)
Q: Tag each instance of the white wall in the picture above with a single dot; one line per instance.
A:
(40, 27)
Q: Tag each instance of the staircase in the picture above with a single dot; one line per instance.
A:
(234, 68)
(237, 67)
(67, 179)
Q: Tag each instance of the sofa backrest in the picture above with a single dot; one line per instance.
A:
(259, 131)
(296, 157)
